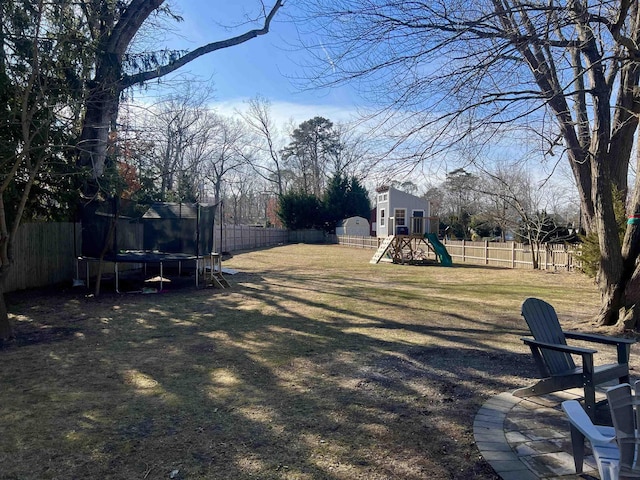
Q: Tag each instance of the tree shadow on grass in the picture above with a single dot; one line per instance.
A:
(276, 378)
(39, 335)
(152, 387)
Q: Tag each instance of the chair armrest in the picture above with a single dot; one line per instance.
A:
(580, 420)
(558, 347)
(589, 337)
(623, 345)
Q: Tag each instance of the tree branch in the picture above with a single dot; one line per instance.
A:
(142, 77)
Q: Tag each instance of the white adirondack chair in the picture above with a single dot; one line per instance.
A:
(625, 414)
(602, 439)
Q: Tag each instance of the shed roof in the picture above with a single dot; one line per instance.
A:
(355, 218)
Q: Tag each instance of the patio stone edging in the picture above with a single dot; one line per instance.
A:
(490, 438)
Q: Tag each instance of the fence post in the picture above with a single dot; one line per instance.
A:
(486, 252)
(546, 258)
(513, 254)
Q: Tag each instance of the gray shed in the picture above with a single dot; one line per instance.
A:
(356, 226)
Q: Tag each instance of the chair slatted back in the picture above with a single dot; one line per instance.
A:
(543, 322)
(625, 414)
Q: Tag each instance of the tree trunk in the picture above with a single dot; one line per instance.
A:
(104, 92)
(610, 272)
(101, 111)
(629, 315)
(109, 81)
(6, 330)
(535, 253)
(108, 242)
(95, 134)
(619, 274)
(630, 312)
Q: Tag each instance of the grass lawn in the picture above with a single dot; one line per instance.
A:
(314, 365)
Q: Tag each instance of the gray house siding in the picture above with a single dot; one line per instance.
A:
(392, 202)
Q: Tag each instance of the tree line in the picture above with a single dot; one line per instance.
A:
(181, 150)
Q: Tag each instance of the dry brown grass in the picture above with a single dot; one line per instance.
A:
(315, 365)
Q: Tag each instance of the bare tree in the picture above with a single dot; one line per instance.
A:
(314, 145)
(435, 194)
(507, 196)
(266, 156)
(113, 26)
(519, 204)
(179, 128)
(242, 190)
(351, 154)
(461, 200)
(471, 69)
(171, 139)
(225, 142)
(356, 156)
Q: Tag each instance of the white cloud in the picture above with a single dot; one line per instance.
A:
(285, 112)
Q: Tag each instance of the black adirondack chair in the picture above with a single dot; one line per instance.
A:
(554, 360)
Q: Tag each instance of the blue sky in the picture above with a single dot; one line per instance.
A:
(263, 66)
(266, 65)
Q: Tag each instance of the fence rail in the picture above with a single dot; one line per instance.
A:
(355, 241)
(515, 255)
(509, 254)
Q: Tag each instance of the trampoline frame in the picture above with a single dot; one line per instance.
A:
(144, 258)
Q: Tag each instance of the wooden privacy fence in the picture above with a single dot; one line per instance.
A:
(509, 254)
(45, 253)
(233, 238)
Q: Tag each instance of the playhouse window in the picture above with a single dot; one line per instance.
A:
(382, 197)
(382, 217)
(400, 217)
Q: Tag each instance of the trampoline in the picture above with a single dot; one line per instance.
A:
(168, 233)
(145, 258)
